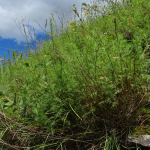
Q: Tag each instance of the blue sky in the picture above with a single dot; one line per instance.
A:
(16, 13)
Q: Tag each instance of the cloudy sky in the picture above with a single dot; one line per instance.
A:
(19, 14)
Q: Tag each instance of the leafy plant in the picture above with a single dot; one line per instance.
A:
(92, 78)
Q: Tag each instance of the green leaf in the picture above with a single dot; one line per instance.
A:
(2, 90)
(22, 104)
(8, 104)
(14, 109)
(48, 63)
(15, 99)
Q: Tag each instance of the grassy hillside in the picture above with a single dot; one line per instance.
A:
(87, 88)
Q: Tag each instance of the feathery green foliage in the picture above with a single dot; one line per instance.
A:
(92, 78)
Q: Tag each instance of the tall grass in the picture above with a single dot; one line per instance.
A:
(91, 80)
